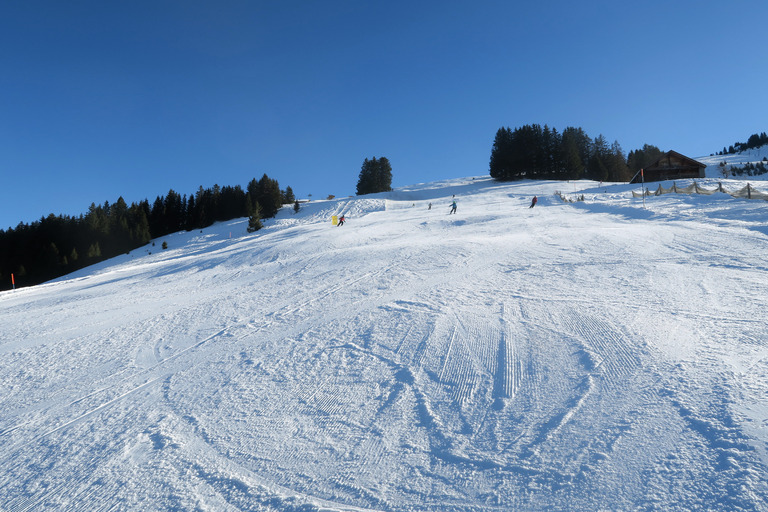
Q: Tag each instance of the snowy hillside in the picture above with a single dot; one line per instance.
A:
(594, 355)
(753, 156)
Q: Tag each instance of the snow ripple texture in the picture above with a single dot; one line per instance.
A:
(597, 355)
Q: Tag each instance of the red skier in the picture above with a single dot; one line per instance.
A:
(533, 202)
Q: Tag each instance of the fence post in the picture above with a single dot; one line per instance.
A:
(749, 191)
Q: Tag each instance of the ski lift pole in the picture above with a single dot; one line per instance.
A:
(642, 178)
(13, 281)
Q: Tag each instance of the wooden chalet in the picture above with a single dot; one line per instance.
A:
(672, 166)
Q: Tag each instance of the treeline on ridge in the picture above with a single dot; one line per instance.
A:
(57, 245)
(536, 152)
(754, 141)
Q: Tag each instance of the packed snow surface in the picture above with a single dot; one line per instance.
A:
(606, 354)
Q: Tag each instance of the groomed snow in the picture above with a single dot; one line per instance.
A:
(596, 355)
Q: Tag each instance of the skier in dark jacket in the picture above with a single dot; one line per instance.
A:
(533, 202)
(453, 207)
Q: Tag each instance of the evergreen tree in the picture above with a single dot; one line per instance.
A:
(192, 213)
(375, 176)
(384, 175)
(268, 196)
(232, 203)
(139, 225)
(173, 213)
(55, 245)
(97, 219)
(617, 164)
(203, 208)
(156, 217)
(51, 256)
(119, 232)
(288, 196)
(546, 153)
(94, 251)
(574, 148)
(554, 143)
(254, 221)
(501, 152)
(532, 152)
(526, 151)
(642, 158)
(596, 168)
(536, 152)
(365, 179)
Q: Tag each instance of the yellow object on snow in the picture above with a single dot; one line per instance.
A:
(335, 220)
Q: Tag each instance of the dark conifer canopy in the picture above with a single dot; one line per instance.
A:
(57, 245)
(375, 176)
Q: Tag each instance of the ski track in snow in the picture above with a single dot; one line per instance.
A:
(595, 355)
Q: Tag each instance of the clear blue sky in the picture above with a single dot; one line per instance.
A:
(101, 99)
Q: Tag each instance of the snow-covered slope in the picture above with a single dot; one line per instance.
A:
(595, 355)
(753, 156)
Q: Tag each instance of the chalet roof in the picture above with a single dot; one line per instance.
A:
(664, 161)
